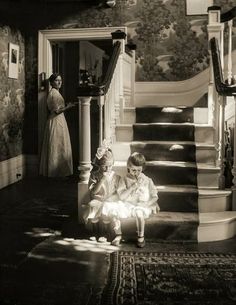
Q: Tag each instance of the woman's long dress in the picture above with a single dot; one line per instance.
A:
(56, 155)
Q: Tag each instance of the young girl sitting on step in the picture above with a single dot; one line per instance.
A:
(137, 198)
(103, 184)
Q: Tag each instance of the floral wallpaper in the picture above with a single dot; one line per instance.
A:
(171, 46)
(12, 101)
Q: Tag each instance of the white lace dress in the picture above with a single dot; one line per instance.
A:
(137, 200)
(56, 154)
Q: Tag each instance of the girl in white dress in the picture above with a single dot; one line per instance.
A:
(56, 154)
(137, 198)
(103, 185)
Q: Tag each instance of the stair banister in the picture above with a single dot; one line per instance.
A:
(223, 89)
(108, 93)
(217, 100)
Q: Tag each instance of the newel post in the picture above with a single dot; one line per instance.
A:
(234, 162)
(85, 152)
(215, 29)
(120, 101)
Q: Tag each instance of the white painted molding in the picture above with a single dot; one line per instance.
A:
(15, 169)
(45, 37)
(230, 110)
(216, 226)
(179, 93)
(12, 170)
(81, 33)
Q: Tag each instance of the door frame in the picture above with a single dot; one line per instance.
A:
(45, 37)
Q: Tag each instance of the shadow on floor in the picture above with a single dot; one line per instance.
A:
(47, 258)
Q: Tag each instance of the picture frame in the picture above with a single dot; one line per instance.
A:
(197, 7)
(13, 60)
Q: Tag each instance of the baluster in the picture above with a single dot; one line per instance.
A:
(221, 143)
(234, 163)
(230, 74)
(100, 105)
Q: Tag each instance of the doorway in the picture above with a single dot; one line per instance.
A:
(59, 51)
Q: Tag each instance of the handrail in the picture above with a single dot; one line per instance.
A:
(227, 16)
(221, 87)
(102, 88)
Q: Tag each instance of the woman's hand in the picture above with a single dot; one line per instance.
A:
(70, 105)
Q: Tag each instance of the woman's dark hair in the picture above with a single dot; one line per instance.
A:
(136, 159)
(53, 77)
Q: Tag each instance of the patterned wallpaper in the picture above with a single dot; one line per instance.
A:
(170, 45)
(12, 100)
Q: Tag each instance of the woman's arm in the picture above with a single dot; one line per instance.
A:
(63, 109)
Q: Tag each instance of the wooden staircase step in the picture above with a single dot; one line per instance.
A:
(164, 114)
(216, 226)
(163, 131)
(168, 226)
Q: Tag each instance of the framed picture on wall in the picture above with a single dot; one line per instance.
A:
(197, 7)
(13, 61)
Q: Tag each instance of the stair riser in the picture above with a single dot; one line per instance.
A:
(208, 204)
(124, 133)
(202, 134)
(166, 152)
(129, 116)
(178, 202)
(203, 155)
(216, 231)
(163, 133)
(166, 175)
(200, 116)
(165, 114)
(208, 179)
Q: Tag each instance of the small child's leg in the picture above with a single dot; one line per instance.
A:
(140, 223)
(95, 229)
(102, 232)
(116, 225)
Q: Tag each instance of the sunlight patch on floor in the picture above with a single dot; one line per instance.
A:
(41, 232)
(87, 245)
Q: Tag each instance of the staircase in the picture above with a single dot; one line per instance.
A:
(180, 152)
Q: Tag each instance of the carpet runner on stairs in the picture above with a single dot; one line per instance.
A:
(166, 137)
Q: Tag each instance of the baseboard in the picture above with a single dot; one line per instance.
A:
(15, 169)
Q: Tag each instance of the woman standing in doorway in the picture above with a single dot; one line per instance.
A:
(56, 154)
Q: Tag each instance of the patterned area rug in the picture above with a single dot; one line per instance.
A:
(171, 278)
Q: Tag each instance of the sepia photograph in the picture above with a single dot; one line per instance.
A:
(117, 152)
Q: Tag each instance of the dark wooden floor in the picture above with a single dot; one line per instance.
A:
(42, 245)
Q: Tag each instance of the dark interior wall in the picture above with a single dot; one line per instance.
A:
(12, 95)
(71, 79)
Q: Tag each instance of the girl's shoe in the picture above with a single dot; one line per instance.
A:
(93, 238)
(102, 239)
(141, 242)
(116, 241)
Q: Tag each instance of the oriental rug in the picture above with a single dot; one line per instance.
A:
(149, 278)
